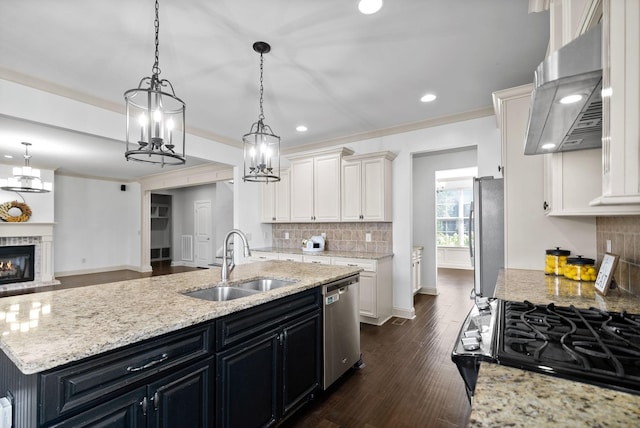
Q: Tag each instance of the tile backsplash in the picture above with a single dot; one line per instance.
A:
(339, 236)
(624, 234)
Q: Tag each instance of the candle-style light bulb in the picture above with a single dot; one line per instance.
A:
(142, 120)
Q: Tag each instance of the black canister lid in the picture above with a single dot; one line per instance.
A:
(580, 261)
(558, 252)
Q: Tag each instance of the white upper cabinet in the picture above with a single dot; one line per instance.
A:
(621, 103)
(366, 187)
(276, 200)
(599, 181)
(315, 186)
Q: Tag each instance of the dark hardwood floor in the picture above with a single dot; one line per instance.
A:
(409, 379)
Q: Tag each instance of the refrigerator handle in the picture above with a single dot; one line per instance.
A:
(471, 236)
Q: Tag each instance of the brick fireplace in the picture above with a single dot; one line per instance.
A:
(38, 235)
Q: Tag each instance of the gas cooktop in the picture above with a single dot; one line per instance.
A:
(588, 345)
(585, 345)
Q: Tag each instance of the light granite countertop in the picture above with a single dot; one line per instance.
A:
(328, 253)
(40, 331)
(507, 396)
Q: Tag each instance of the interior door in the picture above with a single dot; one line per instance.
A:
(202, 231)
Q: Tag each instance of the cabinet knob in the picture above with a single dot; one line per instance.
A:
(545, 206)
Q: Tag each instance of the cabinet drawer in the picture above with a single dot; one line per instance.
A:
(366, 264)
(97, 378)
(291, 257)
(258, 256)
(251, 322)
(324, 260)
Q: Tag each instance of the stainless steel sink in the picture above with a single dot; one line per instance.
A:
(264, 284)
(221, 294)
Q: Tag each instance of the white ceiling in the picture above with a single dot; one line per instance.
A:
(340, 73)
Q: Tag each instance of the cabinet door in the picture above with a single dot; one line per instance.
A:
(184, 398)
(326, 188)
(302, 190)
(374, 190)
(368, 294)
(276, 200)
(351, 177)
(301, 361)
(125, 411)
(268, 203)
(247, 393)
(282, 198)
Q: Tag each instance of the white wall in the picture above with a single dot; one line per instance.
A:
(425, 166)
(97, 225)
(41, 204)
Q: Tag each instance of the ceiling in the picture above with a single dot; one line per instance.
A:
(342, 74)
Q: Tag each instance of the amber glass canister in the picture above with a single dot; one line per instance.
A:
(555, 261)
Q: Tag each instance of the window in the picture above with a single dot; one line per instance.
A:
(453, 203)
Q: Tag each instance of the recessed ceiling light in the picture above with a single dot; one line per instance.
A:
(369, 7)
(301, 128)
(427, 98)
(8, 156)
(570, 99)
(548, 146)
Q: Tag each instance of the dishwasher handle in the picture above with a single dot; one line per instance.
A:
(341, 286)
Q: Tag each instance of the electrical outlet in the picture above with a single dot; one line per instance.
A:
(608, 245)
(324, 235)
(367, 237)
(286, 235)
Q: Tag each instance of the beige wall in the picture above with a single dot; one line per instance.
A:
(624, 233)
(340, 236)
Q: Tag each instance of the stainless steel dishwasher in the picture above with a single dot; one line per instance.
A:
(341, 328)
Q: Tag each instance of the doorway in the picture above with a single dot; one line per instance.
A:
(424, 170)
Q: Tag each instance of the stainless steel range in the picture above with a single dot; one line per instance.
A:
(585, 345)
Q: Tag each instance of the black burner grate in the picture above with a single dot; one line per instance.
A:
(587, 345)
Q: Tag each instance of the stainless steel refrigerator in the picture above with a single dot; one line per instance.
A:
(486, 237)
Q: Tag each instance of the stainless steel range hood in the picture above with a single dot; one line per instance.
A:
(576, 68)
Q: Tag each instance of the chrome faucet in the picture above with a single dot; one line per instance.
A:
(227, 266)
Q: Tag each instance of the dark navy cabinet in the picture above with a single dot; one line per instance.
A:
(275, 368)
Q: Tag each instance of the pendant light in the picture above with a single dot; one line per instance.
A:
(155, 115)
(25, 178)
(261, 145)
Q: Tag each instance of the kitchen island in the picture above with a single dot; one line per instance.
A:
(506, 396)
(46, 336)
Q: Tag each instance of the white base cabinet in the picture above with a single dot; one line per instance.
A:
(416, 269)
(376, 280)
(376, 288)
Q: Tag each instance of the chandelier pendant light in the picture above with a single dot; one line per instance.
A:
(25, 178)
(155, 118)
(261, 145)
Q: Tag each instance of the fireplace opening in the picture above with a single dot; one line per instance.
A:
(17, 264)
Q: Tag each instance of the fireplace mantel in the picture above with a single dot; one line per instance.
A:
(8, 229)
(44, 249)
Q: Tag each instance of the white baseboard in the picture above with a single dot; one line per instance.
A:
(454, 266)
(404, 313)
(433, 291)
